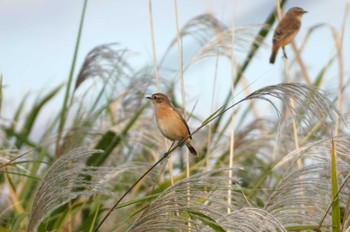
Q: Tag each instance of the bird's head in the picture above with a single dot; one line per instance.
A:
(158, 99)
(296, 11)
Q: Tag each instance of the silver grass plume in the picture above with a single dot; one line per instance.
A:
(315, 104)
(303, 195)
(66, 180)
(318, 151)
(214, 38)
(201, 28)
(255, 138)
(200, 203)
(103, 61)
(57, 185)
(221, 43)
(250, 220)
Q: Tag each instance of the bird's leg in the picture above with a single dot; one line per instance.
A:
(166, 154)
(171, 146)
(181, 143)
(284, 53)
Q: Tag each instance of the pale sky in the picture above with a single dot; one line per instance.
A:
(38, 38)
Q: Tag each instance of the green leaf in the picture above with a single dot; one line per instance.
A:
(207, 220)
(305, 228)
(16, 117)
(32, 116)
(19, 219)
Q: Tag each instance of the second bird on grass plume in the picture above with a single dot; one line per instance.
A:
(286, 30)
(171, 122)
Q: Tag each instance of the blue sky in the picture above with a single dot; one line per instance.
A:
(38, 38)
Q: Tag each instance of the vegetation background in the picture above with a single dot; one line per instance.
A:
(274, 147)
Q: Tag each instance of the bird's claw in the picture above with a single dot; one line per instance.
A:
(284, 54)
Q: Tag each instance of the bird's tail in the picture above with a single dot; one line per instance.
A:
(273, 54)
(191, 148)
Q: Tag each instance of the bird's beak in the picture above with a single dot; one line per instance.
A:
(305, 11)
(149, 98)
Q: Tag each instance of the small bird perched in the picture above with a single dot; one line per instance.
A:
(170, 122)
(286, 30)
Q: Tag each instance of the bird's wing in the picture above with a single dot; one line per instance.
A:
(286, 28)
(179, 113)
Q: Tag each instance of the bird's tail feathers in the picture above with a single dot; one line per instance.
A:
(273, 54)
(192, 150)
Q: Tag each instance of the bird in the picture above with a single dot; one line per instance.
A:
(170, 122)
(286, 30)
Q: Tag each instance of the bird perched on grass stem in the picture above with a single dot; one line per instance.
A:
(170, 122)
(286, 30)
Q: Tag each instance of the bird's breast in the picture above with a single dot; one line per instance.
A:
(170, 124)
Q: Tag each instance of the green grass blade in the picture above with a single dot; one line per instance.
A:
(264, 176)
(207, 221)
(18, 113)
(320, 76)
(27, 194)
(92, 225)
(24, 139)
(336, 205)
(211, 116)
(111, 139)
(305, 228)
(20, 219)
(139, 200)
(64, 109)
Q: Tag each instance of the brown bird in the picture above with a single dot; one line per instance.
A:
(286, 30)
(171, 122)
